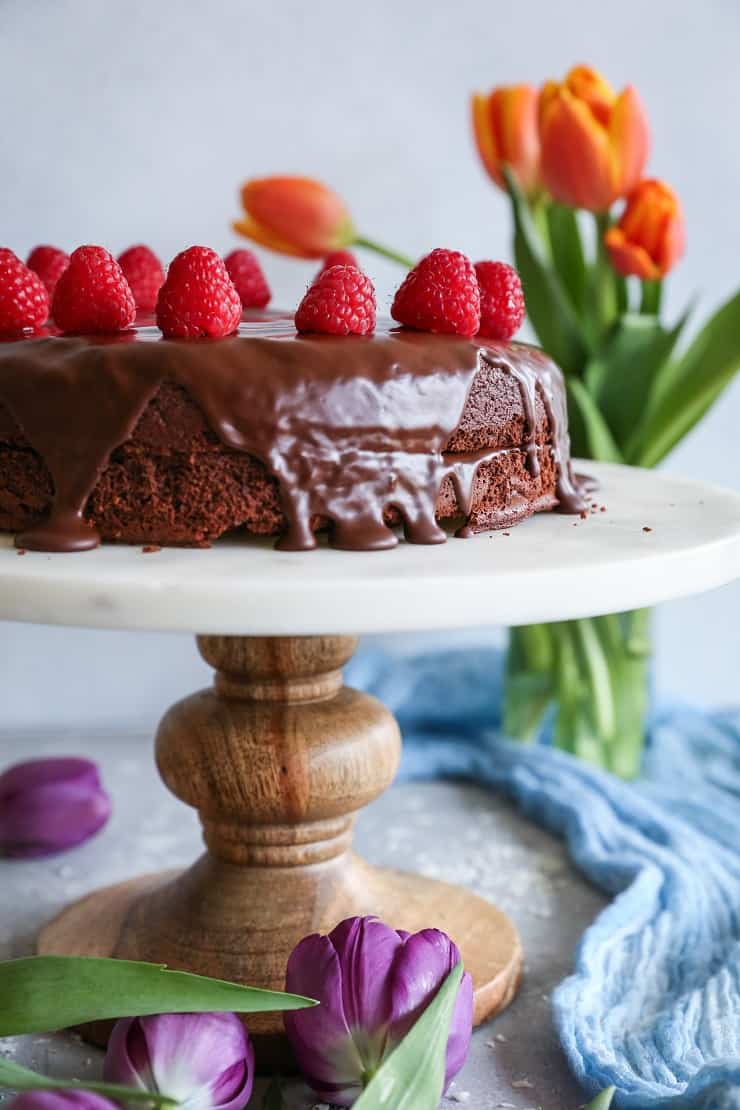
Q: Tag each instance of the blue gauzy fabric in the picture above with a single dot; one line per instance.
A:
(653, 1005)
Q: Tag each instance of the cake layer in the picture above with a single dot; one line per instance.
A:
(159, 441)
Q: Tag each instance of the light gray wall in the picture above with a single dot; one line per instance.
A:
(136, 121)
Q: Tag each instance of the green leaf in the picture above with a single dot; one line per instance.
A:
(16, 1078)
(566, 248)
(413, 1076)
(688, 387)
(603, 1100)
(42, 993)
(589, 431)
(548, 306)
(621, 377)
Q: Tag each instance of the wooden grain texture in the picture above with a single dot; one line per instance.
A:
(277, 758)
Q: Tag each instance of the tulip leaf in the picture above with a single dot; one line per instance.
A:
(43, 993)
(413, 1076)
(566, 249)
(16, 1078)
(589, 430)
(621, 377)
(603, 1100)
(686, 388)
(549, 309)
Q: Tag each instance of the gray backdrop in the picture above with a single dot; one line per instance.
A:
(136, 121)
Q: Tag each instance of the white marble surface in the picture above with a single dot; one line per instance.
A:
(448, 831)
(647, 538)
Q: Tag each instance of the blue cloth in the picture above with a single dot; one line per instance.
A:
(653, 1005)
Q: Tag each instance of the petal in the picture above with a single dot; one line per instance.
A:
(485, 137)
(47, 806)
(127, 1056)
(250, 229)
(37, 772)
(202, 1060)
(300, 211)
(61, 1100)
(674, 242)
(461, 1030)
(420, 969)
(576, 158)
(629, 138)
(629, 259)
(514, 116)
(367, 950)
(425, 962)
(587, 84)
(320, 1037)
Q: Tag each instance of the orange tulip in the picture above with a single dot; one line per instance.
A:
(594, 143)
(505, 129)
(294, 215)
(651, 234)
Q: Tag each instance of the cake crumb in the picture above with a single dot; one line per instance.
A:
(602, 508)
(20, 551)
(646, 529)
(583, 514)
(150, 549)
(506, 533)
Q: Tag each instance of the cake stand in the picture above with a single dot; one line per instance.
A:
(279, 756)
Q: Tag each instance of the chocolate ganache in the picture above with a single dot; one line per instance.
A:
(354, 430)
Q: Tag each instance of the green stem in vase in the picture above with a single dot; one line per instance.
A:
(586, 682)
(385, 252)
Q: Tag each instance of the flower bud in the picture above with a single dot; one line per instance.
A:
(204, 1061)
(50, 805)
(594, 142)
(372, 984)
(650, 236)
(505, 129)
(294, 215)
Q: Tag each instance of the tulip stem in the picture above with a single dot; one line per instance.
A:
(386, 252)
(652, 294)
(605, 294)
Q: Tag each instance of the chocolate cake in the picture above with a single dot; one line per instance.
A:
(141, 439)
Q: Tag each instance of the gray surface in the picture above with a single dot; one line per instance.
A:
(444, 830)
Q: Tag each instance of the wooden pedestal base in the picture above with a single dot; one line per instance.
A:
(277, 759)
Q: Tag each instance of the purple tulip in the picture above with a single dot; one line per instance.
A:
(372, 983)
(205, 1061)
(60, 1100)
(50, 805)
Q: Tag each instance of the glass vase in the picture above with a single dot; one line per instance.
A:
(583, 686)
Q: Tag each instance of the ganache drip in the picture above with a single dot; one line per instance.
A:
(347, 427)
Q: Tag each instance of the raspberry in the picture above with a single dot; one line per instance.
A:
(49, 263)
(502, 308)
(198, 298)
(24, 302)
(246, 273)
(339, 258)
(143, 271)
(440, 294)
(92, 295)
(340, 302)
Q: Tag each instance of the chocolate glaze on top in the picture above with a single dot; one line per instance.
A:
(347, 426)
